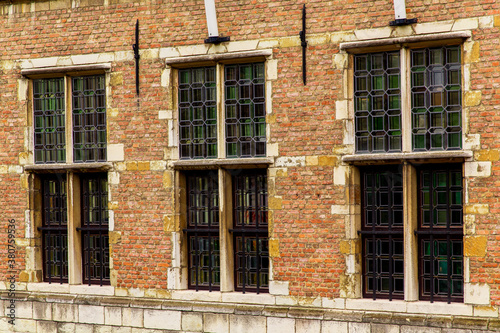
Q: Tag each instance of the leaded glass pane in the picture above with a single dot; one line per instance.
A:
(203, 230)
(377, 102)
(89, 119)
(440, 233)
(197, 113)
(436, 98)
(49, 120)
(245, 115)
(251, 248)
(54, 231)
(95, 228)
(382, 233)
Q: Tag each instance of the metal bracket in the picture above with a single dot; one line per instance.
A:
(404, 21)
(135, 47)
(303, 43)
(216, 40)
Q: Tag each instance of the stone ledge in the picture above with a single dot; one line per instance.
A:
(226, 163)
(437, 156)
(104, 166)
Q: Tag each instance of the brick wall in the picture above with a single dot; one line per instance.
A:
(313, 191)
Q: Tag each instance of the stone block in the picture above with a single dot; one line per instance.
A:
(83, 328)
(341, 110)
(473, 98)
(25, 325)
(376, 33)
(272, 149)
(248, 298)
(239, 324)
(65, 312)
(42, 311)
(340, 209)
(132, 317)
(272, 70)
(418, 329)
(438, 308)
(377, 305)
(46, 326)
(290, 161)
(279, 288)
(477, 169)
(308, 326)
(475, 246)
(162, 319)
(334, 327)
(216, 322)
(280, 325)
(485, 311)
(113, 178)
(91, 314)
(465, 24)
(23, 309)
(192, 322)
(477, 293)
(359, 328)
(477, 209)
(433, 27)
(113, 316)
(274, 248)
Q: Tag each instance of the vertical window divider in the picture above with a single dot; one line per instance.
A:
(74, 222)
(410, 212)
(406, 99)
(226, 238)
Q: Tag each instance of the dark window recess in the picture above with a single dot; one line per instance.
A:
(382, 233)
(55, 229)
(89, 119)
(49, 120)
(440, 233)
(203, 231)
(251, 248)
(377, 102)
(94, 229)
(197, 113)
(245, 110)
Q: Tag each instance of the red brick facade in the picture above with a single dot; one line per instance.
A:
(314, 190)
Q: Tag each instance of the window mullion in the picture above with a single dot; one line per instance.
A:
(406, 99)
(410, 212)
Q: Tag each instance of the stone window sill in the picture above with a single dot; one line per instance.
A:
(51, 167)
(433, 156)
(225, 163)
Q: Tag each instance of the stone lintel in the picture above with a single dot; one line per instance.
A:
(65, 69)
(451, 37)
(221, 57)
